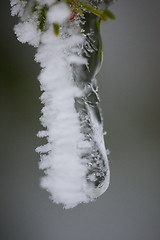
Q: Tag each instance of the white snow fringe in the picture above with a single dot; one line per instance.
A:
(74, 159)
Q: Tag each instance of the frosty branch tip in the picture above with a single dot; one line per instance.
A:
(69, 50)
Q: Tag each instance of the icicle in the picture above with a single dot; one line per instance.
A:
(70, 54)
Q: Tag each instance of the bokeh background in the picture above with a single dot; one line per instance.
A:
(129, 86)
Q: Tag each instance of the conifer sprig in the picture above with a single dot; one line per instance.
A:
(78, 7)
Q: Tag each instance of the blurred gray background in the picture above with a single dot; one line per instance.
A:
(129, 85)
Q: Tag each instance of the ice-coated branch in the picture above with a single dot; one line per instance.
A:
(69, 50)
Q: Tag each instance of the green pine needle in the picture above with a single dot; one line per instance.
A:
(109, 14)
(42, 18)
(56, 29)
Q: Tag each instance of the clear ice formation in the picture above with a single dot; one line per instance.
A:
(75, 158)
(89, 110)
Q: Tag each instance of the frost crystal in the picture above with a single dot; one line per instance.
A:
(17, 7)
(27, 32)
(74, 159)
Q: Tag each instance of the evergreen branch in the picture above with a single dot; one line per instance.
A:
(79, 7)
(93, 10)
(75, 6)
